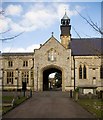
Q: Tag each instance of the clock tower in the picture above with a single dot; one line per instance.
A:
(65, 31)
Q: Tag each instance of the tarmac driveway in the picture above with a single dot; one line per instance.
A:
(49, 104)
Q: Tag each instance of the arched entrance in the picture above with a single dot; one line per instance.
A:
(52, 84)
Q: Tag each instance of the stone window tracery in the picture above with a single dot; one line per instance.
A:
(84, 72)
(80, 72)
(52, 55)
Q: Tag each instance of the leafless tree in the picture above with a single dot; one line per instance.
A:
(2, 12)
(97, 29)
(92, 24)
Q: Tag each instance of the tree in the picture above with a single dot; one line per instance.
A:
(58, 77)
(96, 28)
(92, 24)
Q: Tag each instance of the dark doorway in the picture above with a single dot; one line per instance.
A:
(52, 84)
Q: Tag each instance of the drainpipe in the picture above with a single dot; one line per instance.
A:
(37, 78)
(74, 71)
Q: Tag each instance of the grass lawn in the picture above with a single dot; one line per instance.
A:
(95, 106)
(10, 98)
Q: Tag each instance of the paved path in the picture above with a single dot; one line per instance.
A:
(49, 105)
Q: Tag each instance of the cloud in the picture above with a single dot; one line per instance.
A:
(28, 49)
(38, 16)
(52, 75)
(5, 23)
(13, 10)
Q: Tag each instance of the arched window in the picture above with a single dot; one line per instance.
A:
(84, 72)
(80, 72)
(101, 72)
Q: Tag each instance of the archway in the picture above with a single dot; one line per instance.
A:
(52, 84)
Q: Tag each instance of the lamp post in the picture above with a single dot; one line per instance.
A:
(24, 86)
(17, 78)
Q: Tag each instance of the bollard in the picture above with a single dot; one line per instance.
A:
(30, 93)
(71, 94)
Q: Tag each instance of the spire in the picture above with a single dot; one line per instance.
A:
(65, 20)
(65, 16)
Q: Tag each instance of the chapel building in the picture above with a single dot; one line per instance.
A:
(77, 60)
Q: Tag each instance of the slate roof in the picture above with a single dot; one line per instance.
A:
(86, 46)
(79, 47)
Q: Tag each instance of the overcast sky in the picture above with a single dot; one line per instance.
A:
(39, 19)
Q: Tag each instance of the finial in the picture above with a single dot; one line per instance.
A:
(65, 11)
(52, 34)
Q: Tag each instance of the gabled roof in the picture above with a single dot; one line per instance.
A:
(86, 46)
(79, 47)
(51, 38)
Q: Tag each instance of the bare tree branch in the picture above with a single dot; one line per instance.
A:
(76, 32)
(96, 28)
(92, 24)
(9, 38)
(5, 31)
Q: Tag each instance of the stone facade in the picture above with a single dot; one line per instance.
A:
(63, 59)
(39, 61)
(16, 67)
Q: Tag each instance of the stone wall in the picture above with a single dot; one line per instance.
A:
(17, 69)
(51, 54)
(62, 62)
(92, 64)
